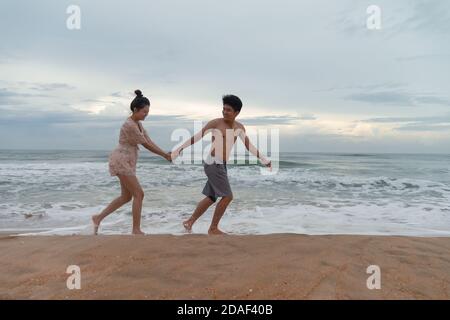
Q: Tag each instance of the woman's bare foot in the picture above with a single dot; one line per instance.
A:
(137, 232)
(188, 226)
(215, 231)
(96, 221)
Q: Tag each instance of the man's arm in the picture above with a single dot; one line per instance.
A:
(195, 138)
(251, 148)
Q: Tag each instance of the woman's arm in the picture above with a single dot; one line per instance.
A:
(152, 147)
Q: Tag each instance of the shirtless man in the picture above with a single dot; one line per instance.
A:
(224, 134)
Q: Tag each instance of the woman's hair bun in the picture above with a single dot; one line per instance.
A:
(139, 101)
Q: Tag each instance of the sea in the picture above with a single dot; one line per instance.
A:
(55, 192)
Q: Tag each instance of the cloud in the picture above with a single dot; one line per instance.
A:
(398, 98)
(273, 120)
(19, 92)
(433, 119)
(77, 117)
(365, 87)
(429, 57)
(399, 19)
(386, 97)
(424, 127)
(432, 100)
(7, 94)
(434, 123)
(274, 55)
(307, 117)
(428, 16)
(8, 97)
(37, 86)
(51, 86)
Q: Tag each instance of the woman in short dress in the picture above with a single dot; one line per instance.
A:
(122, 163)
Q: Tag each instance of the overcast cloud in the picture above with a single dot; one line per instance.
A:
(309, 68)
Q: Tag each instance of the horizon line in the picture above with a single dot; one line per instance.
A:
(313, 152)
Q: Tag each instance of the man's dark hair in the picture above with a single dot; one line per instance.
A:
(233, 102)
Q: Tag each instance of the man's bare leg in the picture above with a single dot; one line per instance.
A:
(202, 206)
(218, 213)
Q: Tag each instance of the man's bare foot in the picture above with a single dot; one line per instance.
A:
(96, 221)
(137, 232)
(215, 231)
(188, 226)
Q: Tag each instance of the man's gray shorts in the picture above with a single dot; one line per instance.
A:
(217, 184)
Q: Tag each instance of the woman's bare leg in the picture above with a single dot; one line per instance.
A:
(113, 206)
(202, 206)
(133, 186)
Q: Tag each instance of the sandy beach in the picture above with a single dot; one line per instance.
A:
(279, 266)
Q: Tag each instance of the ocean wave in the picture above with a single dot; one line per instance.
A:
(308, 194)
(328, 218)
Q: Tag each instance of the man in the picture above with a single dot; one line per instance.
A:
(224, 134)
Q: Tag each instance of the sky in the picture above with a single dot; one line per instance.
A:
(311, 69)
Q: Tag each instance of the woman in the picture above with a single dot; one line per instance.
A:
(122, 162)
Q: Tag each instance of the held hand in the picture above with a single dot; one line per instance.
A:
(168, 156)
(267, 163)
(176, 153)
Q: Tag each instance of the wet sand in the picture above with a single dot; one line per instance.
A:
(278, 266)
